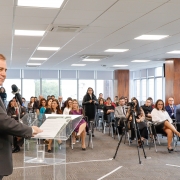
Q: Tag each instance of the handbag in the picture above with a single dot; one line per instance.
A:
(141, 125)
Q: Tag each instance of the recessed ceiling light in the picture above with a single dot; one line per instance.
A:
(41, 3)
(91, 60)
(120, 65)
(48, 48)
(78, 64)
(116, 50)
(174, 52)
(140, 61)
(40, 59)
(151, 37)
(28, 33)
(33, 64)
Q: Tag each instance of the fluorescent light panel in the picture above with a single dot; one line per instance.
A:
(151, 37)
(28, 33)
(78, 64)
(41, 3)
(48, 48)
(174, 52)
(34, 64)
(116, 50)
(120, 65)
(40, 59)
(140, 61)
(91, 60)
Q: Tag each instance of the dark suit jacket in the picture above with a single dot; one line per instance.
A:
(9, 127)
(169, 110)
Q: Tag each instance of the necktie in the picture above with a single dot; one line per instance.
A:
(123, 111)
(172, 109)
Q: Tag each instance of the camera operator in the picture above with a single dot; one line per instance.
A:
(120, 114)
(147, 108)
(140, 117)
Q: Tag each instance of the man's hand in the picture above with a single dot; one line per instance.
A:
(36, 130)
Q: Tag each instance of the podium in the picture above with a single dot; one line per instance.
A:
(38, 163)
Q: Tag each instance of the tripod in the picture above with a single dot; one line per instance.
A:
(137, 132)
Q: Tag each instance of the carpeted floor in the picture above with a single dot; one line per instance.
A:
(95, 163)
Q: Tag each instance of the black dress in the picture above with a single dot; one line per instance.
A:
(89, 108)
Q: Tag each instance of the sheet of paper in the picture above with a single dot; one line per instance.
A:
(53, 124)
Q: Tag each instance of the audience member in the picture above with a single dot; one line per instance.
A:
(109, 110)
(53, 110)
(81, 127)
(61, 103)
(42, 109)
(100, 104)
(48, 105)
(163, 122)
(152, 103)
(100, 96)
(116, 101)
(140, 117)
(147, 108)
(48, 97)
(120, 114)
(126, 101)
(31, 105)
(171, 108)
(3, 95)
(24, 102)
(68, 108)
(89, 102)
(53, 97)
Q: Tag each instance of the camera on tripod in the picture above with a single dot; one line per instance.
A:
(131, 104)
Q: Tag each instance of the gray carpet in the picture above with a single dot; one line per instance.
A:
(82, 165)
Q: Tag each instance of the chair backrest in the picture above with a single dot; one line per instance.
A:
(178, 113)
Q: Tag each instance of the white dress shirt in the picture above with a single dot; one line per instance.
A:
(159, 116)
(66, 111)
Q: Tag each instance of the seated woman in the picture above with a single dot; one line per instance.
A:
(109, 110)
(100, 104)
(53, 110)
(163, 122)
(81, 127)
(31, 105)
(140, 117)
(68, 107)
(42, 109)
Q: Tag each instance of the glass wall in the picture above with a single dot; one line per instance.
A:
(68, 88)
(148, 83)
(30, 87)
(50, 87)
(105, 87)
(67, 83)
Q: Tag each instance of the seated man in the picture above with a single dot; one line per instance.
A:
(171, 108)
(120, 113)
(147, 108)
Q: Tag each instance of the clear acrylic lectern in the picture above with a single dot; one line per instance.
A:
(38, 163)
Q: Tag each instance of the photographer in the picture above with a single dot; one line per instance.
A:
(140, 117)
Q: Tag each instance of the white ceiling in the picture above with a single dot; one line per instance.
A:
(106, 24)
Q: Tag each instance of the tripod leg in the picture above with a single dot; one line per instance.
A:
(118, 145)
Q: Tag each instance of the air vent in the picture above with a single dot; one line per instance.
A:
(95, 56)
(66, 28)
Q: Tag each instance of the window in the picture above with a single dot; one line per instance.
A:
(151, 88)
(143, 90)
(137, 89)
(83, 86)
(68, 88)
(105, 87)
(158, 88)
(50, 87)
(159, 71)
(31, 87)
(7, 85)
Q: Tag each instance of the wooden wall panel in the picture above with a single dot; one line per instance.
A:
(172, 79)
(122, 82)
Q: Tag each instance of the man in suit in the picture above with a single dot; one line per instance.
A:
(171, 108)
(120, 113)
(9, 127)
(61, 103)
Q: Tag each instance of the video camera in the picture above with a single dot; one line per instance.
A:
(131, 104)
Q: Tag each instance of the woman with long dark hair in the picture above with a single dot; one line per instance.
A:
(163, 122)
(3, 94)
(89, 103)
(140, 117)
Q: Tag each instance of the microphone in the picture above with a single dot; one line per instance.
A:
(16, 91)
